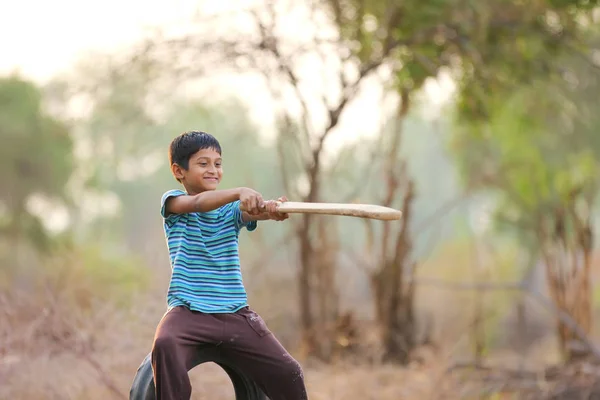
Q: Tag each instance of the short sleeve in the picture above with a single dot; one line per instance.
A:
(163, 202)
(238, 218)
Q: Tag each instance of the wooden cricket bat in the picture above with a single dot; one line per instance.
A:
(345, 209)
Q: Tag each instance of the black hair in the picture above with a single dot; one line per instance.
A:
(188, 144)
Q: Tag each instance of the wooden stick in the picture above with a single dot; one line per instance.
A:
(370, 211)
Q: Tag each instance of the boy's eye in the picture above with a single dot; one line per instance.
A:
(203, 164)
(218, 165)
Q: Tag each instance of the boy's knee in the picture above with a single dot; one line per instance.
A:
(291, 375)
(291, 369)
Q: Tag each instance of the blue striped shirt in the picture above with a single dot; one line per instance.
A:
(205, 263)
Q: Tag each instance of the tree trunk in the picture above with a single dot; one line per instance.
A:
(567, 257)
(326, 291)
(309, 343)
(393, 297)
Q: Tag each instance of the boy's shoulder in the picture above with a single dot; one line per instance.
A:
(172, 193)
(169, 218)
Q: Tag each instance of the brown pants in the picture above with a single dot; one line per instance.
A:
(242, 337)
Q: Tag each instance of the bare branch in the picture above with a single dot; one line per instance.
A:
(350, 91)
(283, 163)
(376, 147)
(270, 43)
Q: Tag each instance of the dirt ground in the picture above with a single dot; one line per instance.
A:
(68, 353)
(68, 377)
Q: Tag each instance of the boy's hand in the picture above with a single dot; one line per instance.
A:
(251, 201)
(272, 212)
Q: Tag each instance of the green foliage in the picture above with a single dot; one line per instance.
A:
(539, 151)
(36, 147)
(408, 30)
(35, 157)
(119, 131)
(490, 47)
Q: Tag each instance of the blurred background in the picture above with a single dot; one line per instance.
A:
(480, 120)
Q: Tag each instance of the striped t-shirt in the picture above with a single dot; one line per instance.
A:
(203, 250)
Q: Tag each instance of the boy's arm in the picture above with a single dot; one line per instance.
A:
(211, 200)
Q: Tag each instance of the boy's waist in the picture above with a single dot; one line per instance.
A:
(207, 305)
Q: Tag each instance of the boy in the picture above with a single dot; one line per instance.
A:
(207, 301)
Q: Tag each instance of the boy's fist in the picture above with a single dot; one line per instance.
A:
(271, 208)
(251, 201)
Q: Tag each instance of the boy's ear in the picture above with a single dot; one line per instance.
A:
(177, 171)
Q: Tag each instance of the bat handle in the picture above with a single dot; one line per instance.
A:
(263, 207)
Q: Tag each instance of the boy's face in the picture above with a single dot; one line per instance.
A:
(204, 171)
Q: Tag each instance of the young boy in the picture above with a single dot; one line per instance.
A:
(207, 302)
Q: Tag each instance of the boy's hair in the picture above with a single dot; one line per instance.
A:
(189, 143)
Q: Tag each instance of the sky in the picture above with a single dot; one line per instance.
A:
(41, 38)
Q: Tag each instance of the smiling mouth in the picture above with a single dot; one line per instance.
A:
(211, 179)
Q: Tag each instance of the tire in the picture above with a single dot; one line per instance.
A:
(142, 387)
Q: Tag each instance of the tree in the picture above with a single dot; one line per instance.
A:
(538, 154)
(35, 163)
(416, 41)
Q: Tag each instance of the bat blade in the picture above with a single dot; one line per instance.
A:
(370, 211)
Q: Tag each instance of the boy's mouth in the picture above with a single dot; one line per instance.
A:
(211, 179)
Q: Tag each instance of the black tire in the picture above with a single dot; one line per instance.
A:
(245, 388)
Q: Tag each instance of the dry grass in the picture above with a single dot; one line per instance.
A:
(65, 377)
(51, 348)
(65, 340)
